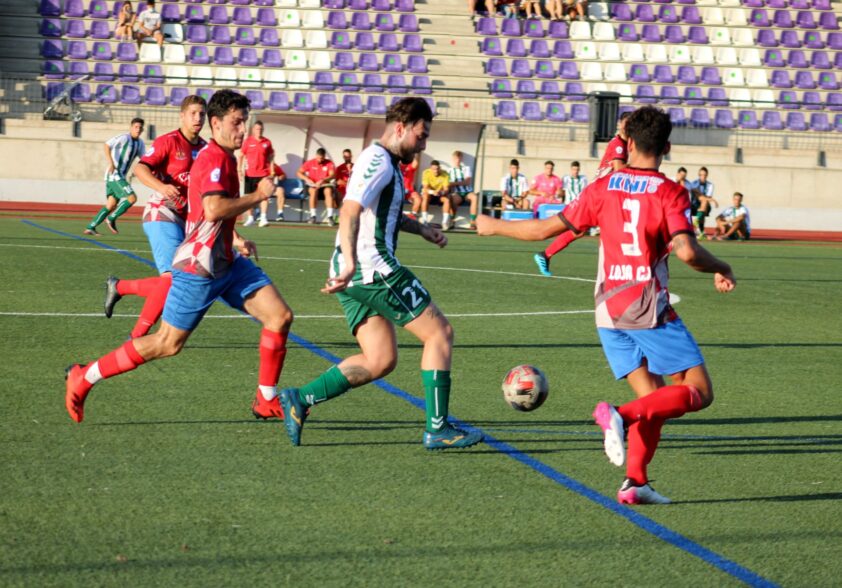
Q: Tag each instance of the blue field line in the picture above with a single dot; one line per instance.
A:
(644, 523)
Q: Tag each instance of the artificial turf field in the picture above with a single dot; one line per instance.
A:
(170, 481)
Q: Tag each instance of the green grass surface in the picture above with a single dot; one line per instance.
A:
(170, 481)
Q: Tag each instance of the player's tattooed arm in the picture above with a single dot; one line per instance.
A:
(687, 249)
(410, 225)
(349, 229)
(357, 375)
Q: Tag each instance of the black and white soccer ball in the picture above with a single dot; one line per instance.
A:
(525, 388)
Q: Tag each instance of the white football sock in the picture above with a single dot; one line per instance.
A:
(93, 375)
(312, 212)
(268, 392)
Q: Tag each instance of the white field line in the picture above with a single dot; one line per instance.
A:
(297, 317)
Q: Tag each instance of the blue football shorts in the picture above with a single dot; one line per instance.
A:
(164, 238)
(668, 349)
(191, 296)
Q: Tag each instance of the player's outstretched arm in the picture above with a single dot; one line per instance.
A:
(687, 249)
(349, 230)
(217, 207)
(527, 230)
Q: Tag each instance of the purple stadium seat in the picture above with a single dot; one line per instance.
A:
(392, 62)
(78, 70)
(563, 50)
(245, 36)
(531, 111)
(780, 79)
(663, 74)
(790, 39)
(340, 40)
(545, 69)
(805, 81)
(550, 91)
(782, 19)
(368, 62)
(53, 70)
(748, 119)
(266, 17)
(759, 18)
(693, 96)
(360, 21)
(526, 90)
(384, 23)
(194, 15)
(205, 93)
(491, 46)
(837, 122)
(827, 81)
(668, 15)
(278, 101)
(723, 119)
(72, 9)
(506, 110)
(103, 72)
(343, 60)
(788, 100)
(269, 37)
(652, 33)
(248, 57)
(348, 82)
(776, 3)
(674, 34)
(580, 113)
(795, 121)
(101, 51)
(574, 92)
(323, 81)
(169, 13)
(376, 105)
(773, 58)
(388, 42)
(365, 42)
(197, 34)
(358, 4)
(396, 84)
(687, 75)
(256, 99)
(81, 93)
(75, 30)
(267, 3)
(710, 76)
(837, 60)
(699, 118)
(539, 48)
(77, 50)
(501, 88)
(804, 20)
(218, 15)
(155, 96)
(532, 27)
(372, 82)
(421, 85)
(100, 30)
(812, 101)
(303, 102)
(819, 122)
(834, 41)
(516, 48)
(496, 67)
(127, 72)
(627, 32)
(822, 5)
(105, 94)
(53, 89)
(555, 112)
(568, 70)
(510, 27)
(408, 23)
(813, 40)
(272, 58)
(98, 9)
(753, 3)
(51, 27)
(177, 95)
(51, 7)
(221, 35)
(670, 95)
(153, 74)
(413, 43)
(405, 5)
(621, 12)
(800, 4)
(820, 60)
(381, 5)
(130, 95)
(521, 68)
(645, 94)
(717, 97)
(767, 38)
(698, 36)
(639, 73)
(336, 21)
(796, 58)
(223, 56)
(677, 116)
(772, 120)
(645, 13)
(352, 104)
(559, 30)
(690, 15)
(416, 64)
(486, 26)
(126, 52)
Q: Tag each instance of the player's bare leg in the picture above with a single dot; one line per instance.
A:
(425, 203)
(268, 306)
(473, 200)
(313, 193)
(110, 205)
(281, 196)
(330, 205)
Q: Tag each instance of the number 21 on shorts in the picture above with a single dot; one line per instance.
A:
(411, 294)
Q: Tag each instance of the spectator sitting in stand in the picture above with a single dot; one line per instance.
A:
(461, 187)
(701, 199)
(546, 188)
(573, 183)
(574, 9)
(435, 184)
(149, 25)
(124, 31)
(532, 8)
(734, 221)
(514, 188)
(319, 175)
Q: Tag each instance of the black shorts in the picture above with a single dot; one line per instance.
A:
(250, 185)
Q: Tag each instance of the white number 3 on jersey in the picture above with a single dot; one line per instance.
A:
(632, 249)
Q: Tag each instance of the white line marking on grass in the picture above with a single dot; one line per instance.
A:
(300, 316)
(98, 249)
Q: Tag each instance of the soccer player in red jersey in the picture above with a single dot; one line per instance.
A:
(642, 216)
(165, 168)
(615, 157)
(212, 262)
(255, 163)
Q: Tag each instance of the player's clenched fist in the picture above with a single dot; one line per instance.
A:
(266, 188)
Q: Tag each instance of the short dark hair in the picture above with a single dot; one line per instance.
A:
(740, 194)
(575, 164)
(435, 162)
(514, 162)
(321, 151)
(409, 111)
(257, 123)
(682, 169)
(705, 169)
(191, 100)
(346, 151)
(549, 162)
(225, 100)
(136, 120)
(625, 115)
(150, 2)
(650, 129)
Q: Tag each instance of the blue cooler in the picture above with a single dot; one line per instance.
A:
(548, 210)
(516, 215)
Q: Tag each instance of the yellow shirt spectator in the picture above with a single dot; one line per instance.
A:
(435, 180)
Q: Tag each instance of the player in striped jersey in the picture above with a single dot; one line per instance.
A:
(461, 188)
(377, 292)
(121, 152)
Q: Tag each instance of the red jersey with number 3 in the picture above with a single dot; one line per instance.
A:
(638, 212)
(616, 149)
(170, 158)
(207, 249)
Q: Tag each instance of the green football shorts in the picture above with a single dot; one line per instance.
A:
(399, 297)
(118, 187)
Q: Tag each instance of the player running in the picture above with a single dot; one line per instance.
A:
(165, 168)
(121, 151)
(211, 263)
(377, 292)
(642, 216)
(614, 159)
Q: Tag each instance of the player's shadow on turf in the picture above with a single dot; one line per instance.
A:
(789, 498)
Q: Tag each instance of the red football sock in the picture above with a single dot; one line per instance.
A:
(142, 287)
(154, 305)
(273, 350)
(123, 359)
(643, 441)
(562, 241)
(668, 402)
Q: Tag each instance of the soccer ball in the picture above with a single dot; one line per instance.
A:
(525, 388)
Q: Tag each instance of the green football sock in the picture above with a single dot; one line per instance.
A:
(473, 217)
(329, 385)
(124, 205)
(100, 216)
(700, 217)
(437, 397)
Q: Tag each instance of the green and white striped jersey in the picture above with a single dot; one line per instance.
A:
(124, 150)
(377, 184)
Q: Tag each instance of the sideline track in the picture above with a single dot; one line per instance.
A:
(644, 523)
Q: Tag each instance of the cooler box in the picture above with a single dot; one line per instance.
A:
(548, 210)
(516, 215)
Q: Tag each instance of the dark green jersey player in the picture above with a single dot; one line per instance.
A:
(377, 292)
(121, 151)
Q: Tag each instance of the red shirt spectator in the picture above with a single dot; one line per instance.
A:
(317, 171)
(258, 153)
(343, 172)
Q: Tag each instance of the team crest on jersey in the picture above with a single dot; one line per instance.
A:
(149, 152)
(179, 154)
(619, 150)
(215, 174)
